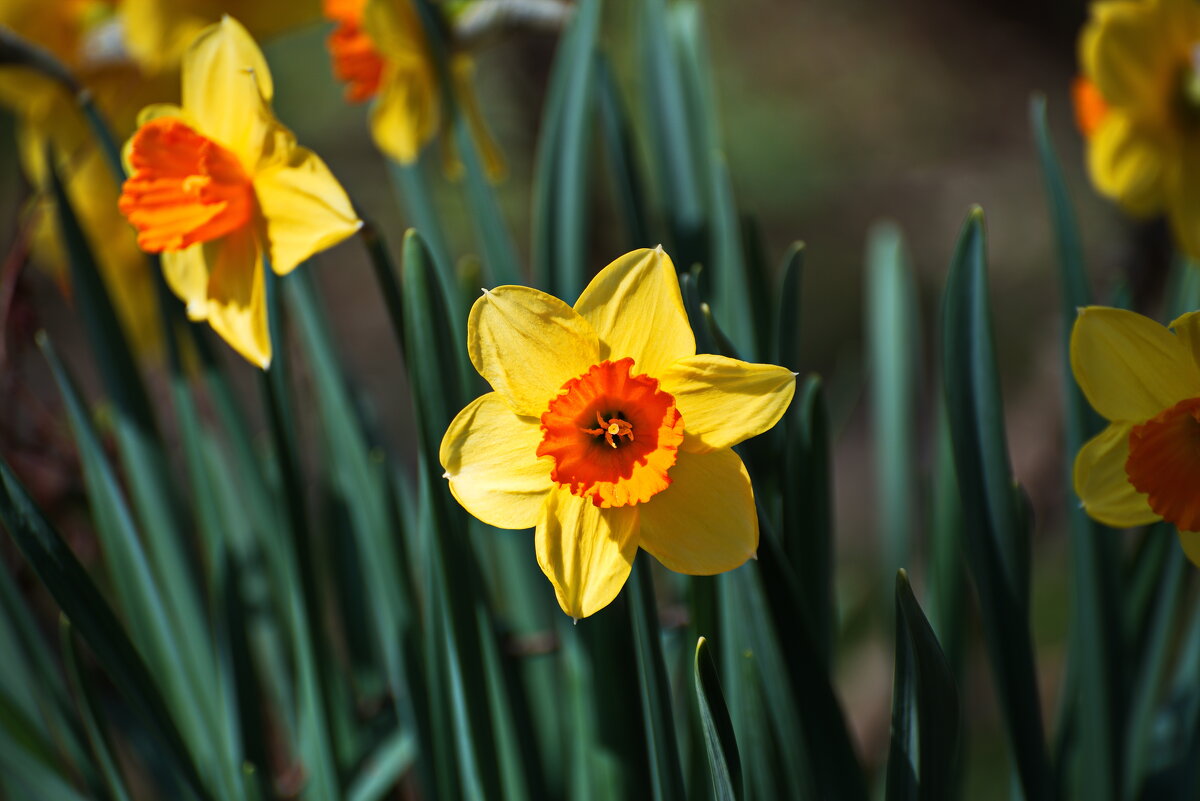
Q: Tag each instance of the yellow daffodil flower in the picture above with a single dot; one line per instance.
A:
(49, 118)
(380, 51)
(218, 184)
(608, 432)
(1138, 104)
(1145, 466)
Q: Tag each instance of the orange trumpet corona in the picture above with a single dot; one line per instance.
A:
(625, 460)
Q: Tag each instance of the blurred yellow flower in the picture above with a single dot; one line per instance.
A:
(607, 431)
(1138, 104)
(1144, 379)
(48, 117)
(380, 51)
(218, 184)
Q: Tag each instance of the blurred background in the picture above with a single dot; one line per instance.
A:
(835, 114)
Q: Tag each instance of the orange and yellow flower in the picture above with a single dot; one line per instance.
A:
(607, 432)
(380, 52)
(1144, 379)
(1138, 104)
(218, 184)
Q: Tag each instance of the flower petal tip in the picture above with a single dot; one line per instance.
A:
(446, 474)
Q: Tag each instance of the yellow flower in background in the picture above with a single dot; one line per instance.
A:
(380, 52)
(219, 184)
(1145, 380)
(608, 432)
(157, 33)
(47, 117)
(1138, 104)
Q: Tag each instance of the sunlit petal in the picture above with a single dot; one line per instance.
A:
(635, 307)
(1130, 367)
(585, 551)
(724, 401)
(1102, 485)
(705, 522)
(305, 209)
(489, 455)
(527, 344)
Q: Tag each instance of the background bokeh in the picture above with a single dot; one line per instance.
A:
(836, 114)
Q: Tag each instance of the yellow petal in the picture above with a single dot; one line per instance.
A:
(527, 344)
(305, 208)
(1187, 329)
(406, 114)
(705, 522)
(1130, 367)
(1190, 540)
(1129, 55)
(1127, 162)
(1102, 484)
(635, 307)
(586, 552)
(490, 457)
(186, 273)
(227, 89)
(236, 295)
(724, 401)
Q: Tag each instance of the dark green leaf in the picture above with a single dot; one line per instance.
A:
(666, 775)
(719, 740)
(992, 516)
(90, 614)
(893, 335)
(925, 709)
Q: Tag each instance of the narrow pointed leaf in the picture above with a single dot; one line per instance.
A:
(720, 743)
(992, 515)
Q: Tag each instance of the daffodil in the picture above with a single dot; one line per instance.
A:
(1138, 103)
(380, 51)
(218, 185)
(1145, 466)
(607, 432)
(48, 120)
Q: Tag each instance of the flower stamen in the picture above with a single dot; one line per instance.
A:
(613, 427)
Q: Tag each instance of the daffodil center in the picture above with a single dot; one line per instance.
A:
(612, 429)
(623, 459)
(185, 188)
(1164, 463)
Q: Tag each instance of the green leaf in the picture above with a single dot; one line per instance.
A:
(666, 775)
(672, 148)
(991, 513)
(1152, 668)
(1095, 636)
(925, 709)
(383, 769)
(72, 588)
(628, 184)
(563, 158)
(90, 714)
(454, 615)
(301, 553)
(787, 352)
(720, 743)
(808, 509)
(494, 238)
(358, 484)
(893, 335)
(730, 292)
